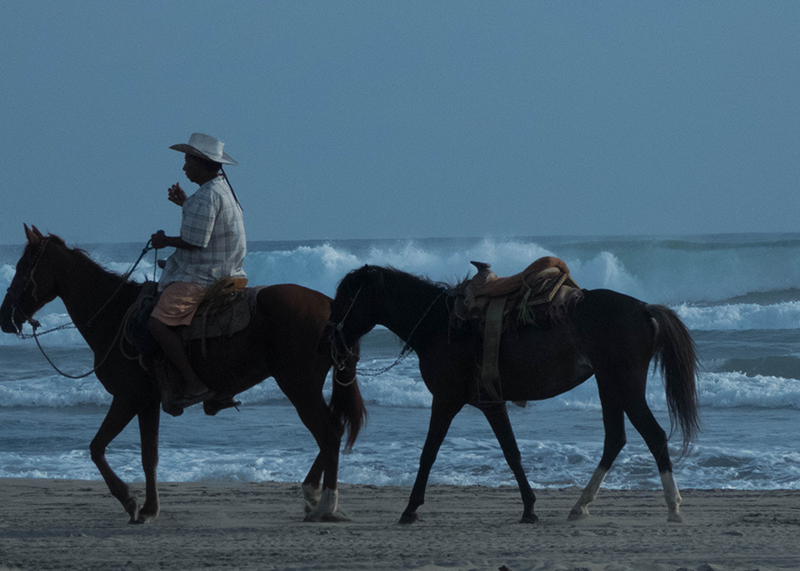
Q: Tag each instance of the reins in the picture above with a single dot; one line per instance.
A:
(35, 324)
(103, 360)
(124, 280)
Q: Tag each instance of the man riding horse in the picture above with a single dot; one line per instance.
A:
(211, 245)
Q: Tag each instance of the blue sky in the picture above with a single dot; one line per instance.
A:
(404, 119)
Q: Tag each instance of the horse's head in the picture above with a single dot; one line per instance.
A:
(33, 285)
(374, 295)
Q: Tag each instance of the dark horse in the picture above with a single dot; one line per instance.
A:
(281, 341)
(609, 335)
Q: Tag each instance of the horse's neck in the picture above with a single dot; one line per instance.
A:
(414, 319)
(85, 287)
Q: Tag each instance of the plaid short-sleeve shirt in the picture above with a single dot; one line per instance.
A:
(212, 220)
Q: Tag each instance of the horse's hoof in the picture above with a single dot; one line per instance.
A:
(336, 516)
(311, 496)
(409, 517)
(132, 508)
(327, 508)
(533, 518)
(675, 518)
(576, 515)
(332, 517)
(147, 516)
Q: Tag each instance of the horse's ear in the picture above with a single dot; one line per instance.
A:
(30, 235)
(36, 231)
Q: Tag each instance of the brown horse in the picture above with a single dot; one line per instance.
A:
(609, 335)
(282, 341)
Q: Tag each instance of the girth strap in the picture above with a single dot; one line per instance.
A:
(493, 330)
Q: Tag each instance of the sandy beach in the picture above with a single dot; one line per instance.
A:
(69, 524)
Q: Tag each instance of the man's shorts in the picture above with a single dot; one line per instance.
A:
(178, 303)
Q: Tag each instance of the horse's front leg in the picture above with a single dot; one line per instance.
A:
(497, 415)
(148, 432)
(442, 414)
(117, 418)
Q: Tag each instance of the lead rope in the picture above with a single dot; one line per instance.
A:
(405, 352)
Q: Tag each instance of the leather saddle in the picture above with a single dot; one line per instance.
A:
(226, 309)
(542, 294)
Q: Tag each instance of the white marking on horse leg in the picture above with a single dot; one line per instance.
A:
(581, 509)
(673, 497)
(311, 495)
(327, 509)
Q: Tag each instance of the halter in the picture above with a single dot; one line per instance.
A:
(337, 331)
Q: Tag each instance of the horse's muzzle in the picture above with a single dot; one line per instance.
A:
(10, 321)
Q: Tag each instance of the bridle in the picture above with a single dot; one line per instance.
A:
(16, 293)
(337, 333)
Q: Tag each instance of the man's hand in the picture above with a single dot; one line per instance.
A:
(159, 240)
(176, 194)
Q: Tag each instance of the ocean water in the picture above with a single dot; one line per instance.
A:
(738, 294)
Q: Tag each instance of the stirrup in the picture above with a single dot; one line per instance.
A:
(212, 406)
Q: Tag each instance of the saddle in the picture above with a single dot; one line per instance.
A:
(227, 309)
(542, 294)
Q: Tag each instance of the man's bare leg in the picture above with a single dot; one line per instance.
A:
(170, 342)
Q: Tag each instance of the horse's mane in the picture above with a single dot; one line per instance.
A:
(83, 258)
(390, 274)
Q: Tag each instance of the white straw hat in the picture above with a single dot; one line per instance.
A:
(205, 147)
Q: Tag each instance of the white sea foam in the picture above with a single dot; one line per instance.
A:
(461, 461)
(406, 389)
(741, 316)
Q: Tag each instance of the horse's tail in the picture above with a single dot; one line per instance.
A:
(347, 406)
(675, 352)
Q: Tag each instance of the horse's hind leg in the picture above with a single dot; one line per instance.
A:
(148, 432)
(317, 418)
(311, 485)
(614, 424)
(497, 415)
(442, 414)
(117, 418)
(656, 439)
